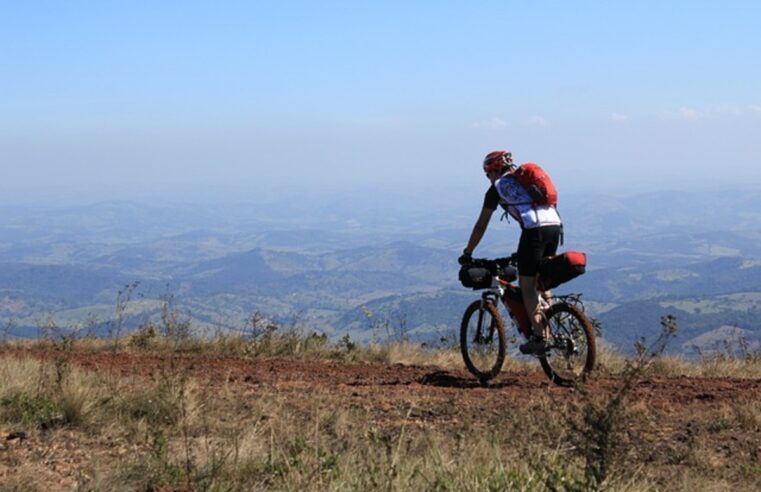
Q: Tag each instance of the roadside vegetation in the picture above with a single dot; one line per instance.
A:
(170, 428)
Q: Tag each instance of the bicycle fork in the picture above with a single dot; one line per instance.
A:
(486, 298)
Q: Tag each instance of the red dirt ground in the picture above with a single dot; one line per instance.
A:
(421, 397)
(399, 381)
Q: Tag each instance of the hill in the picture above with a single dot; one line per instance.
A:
(294, 413)
(330, 265)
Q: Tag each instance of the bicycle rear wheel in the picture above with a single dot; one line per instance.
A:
(572, 350)
(482, 340)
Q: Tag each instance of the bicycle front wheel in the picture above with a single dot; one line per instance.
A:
(572, 350)
(482, 340)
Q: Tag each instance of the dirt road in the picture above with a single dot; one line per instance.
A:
(706, 426)
(399, 381)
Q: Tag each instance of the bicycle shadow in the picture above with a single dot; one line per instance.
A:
(445, 379)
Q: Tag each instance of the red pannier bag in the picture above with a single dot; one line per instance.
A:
(556, 270)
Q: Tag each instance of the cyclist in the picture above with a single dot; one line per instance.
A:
(540, 235)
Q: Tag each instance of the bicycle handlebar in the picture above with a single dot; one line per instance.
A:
(497, 266)
(511, 260)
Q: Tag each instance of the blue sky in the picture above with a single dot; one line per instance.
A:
(604, 94)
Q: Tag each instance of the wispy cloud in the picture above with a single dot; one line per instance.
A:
(721, 110)
(689, 113)
(730, 109)
(619, 117)
(536, 121)
(683, 113)
(494, 123)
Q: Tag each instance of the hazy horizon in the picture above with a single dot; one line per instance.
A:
(428, 195)
(117, 99)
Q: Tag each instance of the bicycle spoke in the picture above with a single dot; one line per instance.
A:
(481, 342)
(569, 355)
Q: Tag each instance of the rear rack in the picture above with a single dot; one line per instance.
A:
(572, 299)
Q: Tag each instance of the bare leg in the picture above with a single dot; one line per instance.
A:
(531, 301)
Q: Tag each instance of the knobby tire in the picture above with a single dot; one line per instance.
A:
(563, 319)
(478, 309)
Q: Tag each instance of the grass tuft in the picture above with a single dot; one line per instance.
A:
(173, 429)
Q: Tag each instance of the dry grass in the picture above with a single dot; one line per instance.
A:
(265, 339)
(179, 432)
(99, 431)
(747, 366)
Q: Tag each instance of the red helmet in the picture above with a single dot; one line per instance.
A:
(497, 160)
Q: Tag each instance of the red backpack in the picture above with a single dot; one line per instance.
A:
(538, 184)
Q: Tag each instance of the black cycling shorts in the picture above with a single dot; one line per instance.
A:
(534, 245)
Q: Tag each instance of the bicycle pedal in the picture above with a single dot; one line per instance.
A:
(540, 355)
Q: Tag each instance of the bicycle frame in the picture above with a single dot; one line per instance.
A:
(511, 297)
(570, 346)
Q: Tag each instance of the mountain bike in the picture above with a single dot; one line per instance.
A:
(570, 353)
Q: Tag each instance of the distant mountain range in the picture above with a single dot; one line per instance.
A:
(374, 271)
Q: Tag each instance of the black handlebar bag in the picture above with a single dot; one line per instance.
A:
(475, 277)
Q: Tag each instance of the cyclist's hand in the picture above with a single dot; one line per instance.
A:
(465, 259)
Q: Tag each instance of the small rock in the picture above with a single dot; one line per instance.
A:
(20, 435)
